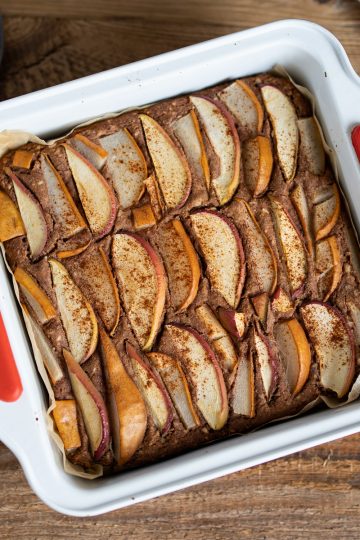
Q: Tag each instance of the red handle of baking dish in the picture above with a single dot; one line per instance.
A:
(10, 382)
(355, 138)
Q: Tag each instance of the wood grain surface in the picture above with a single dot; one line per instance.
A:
(313, 494)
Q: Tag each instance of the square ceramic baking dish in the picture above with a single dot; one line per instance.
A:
(315, 59)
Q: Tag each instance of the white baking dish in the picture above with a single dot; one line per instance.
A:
(314, 58)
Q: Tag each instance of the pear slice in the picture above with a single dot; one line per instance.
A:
(172, 171)
(35, 296)
(11, 224)
(267, 362)
(328, 264)
(143, 217)
(284, 123)
(261, 304)
(333, 343)
(32, 216)
(326, 213)
(244, 388)
(221, 131)
(175, 381)
(126, 166)
(311, 145)
(242, 102)
(96, 195)
(67, 253)
(77, 315)
(23, 159)
(142, 281)
(281, 302)
(298, 198)
(258, 162)
(91, 151)
(201, 366)
(65, 416)
(222, 249)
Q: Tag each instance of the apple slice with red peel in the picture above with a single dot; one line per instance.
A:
(23, 159)
(222, 249)
(142, 280)
(175, 381)
(284, 123)
(261, 307)
(333, 342)
(35, 296)
(298, 198)
(127, 409)
(91, 151)
(172, 171)
(201, 365)
(267, 363)
(223, 136)
(152, 389)
(181, 263)
(233, 321)
(292, 248)
(67, 253)
(92, 406)
(96, 195)
(156, 199)
(295, 353)
(187, 130)
(11, 224)
(311, 145)
(77, 315)
(328, 264)
(281, 302)
(326, 213)
(244, 388)
(32, 216)
(44, 347)
(126, 166)
(143, 217)
(218, 336)
(258, 252)
(65, 417)
(63, 209)
(258, 162)
(242, 102)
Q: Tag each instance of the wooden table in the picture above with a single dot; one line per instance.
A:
(314, 494)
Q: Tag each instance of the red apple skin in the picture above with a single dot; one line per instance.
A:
(212, 357)
(75, 368)
(227, 319)
(349, 332)
(239, 246)
(133, 353)
(109, 189)
(28, 193)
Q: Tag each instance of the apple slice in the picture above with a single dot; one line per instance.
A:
(172, 170)
(127, 409)
(23, 159)
(141, 276)
(267, 362)
(218, 337)
(244, 105)
(187, 130)
(244, 388)
(126, 166)
(201, 365)
(143, 217)
(152, 389)
(259, 256)
(284, 123)
(77, 315)
(181, 263)
(35, 296)
(11, 224)
(63, 208)
(301, 206)
(67, 253)
(92, 406)
(175, 381)
(156, 199)
(96, 195)
(326, 213)
(295, 353)
(44, 347)
(91, 151)
(32, 216)
(258, 162)
(328, 263)
(221, 131)
(222, 249)
(65, 417)
(292, 247)
(261, 307)
(334, 345)
(233, 321)
(311, 145)
(281, 302)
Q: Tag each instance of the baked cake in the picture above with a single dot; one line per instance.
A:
(187, 271)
